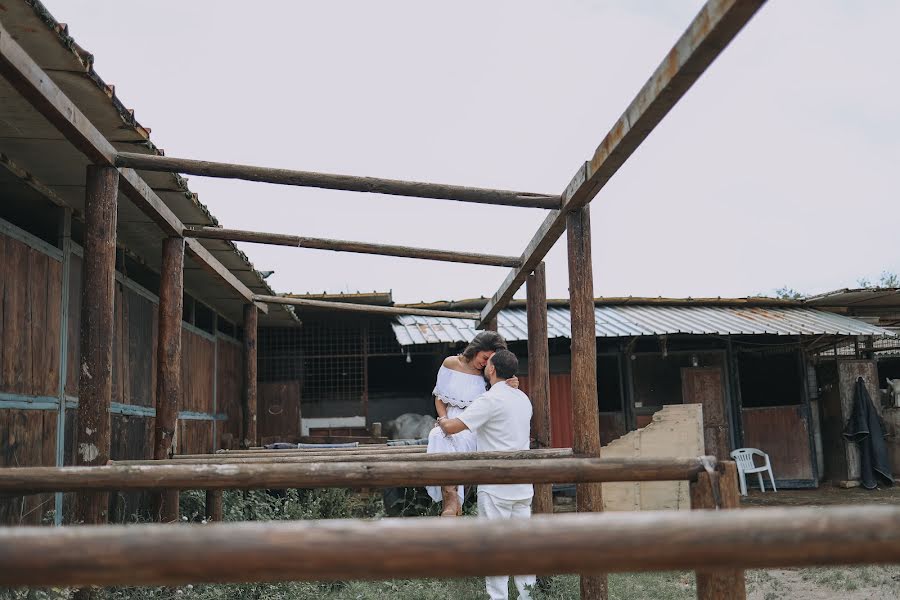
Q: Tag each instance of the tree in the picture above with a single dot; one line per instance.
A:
(788, 293)
(887, 279)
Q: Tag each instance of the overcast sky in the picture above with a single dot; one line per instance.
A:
(779, 167)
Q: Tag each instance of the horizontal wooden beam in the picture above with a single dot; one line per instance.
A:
(281, 239)
(368, 458)
(145, 555)
(390, 451)
(39, 89)
(29, 180)
(717, 23)
(365, 308)
(22, 480)
(351, 183)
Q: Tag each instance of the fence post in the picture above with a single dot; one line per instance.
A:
(214, 507)
(539, 375)
(723, 584)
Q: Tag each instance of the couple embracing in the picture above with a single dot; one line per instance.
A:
(480, 408)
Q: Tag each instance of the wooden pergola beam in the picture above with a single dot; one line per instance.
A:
(281, 239)
(399, 473)
(342, 549)
(39, 89)
(330, 181)
(364, 308)
(717, 23)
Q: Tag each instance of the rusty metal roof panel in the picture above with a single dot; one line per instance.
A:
(636, 320)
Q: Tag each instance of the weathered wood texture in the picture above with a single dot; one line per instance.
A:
(168, 359)
(215, 510)
(706, 386)
(97, 319)
(131, 439)
(30, 293)
(330, 181)
(135, 319)
(389, 474)
(195, 436)
(424, 457)
(783, 433)
(726, 584)
(27, 438)
(370, 450)
(539, 376)
(717, 23)
(279, 411)
(229, 392)
(198, 369)
(249, 406)
(344, 549)
(364, 308)
(169, 390)
(585, 408)
(281, 239)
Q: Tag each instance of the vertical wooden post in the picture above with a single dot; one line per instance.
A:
(724, 584)
(539, 375)
(168, 368)
(250, 319)
(95, 372)
(585, 411)
(215, 510)
(491, 325)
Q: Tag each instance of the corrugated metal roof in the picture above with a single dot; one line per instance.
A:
(634, 320)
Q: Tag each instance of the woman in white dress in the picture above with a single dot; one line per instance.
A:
(460, 382)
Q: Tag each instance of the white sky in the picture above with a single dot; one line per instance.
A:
(779, 167)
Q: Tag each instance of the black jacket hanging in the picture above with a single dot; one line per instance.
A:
(865, 429)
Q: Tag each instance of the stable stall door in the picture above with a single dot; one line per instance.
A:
(705, 386)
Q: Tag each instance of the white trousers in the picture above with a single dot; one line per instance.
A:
(491, 507)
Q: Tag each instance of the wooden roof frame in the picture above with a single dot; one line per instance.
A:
(711, 30)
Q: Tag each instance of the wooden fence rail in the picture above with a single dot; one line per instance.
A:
(374, 458)
(344, 549)
(32, 480)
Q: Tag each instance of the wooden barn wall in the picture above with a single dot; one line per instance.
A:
(28, 439)
(229, 390)
(30, 313)
(31, 292)
(30, 297)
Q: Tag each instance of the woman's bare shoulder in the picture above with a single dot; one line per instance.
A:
(452, 363)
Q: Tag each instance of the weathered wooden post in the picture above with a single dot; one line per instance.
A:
(215, 510)
(168, 367)
(723, 584)
(539, 375)
(491, 325)
(585, 411)
(97, 306)
(249, 412)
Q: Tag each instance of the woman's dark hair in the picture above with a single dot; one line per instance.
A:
(489, 341)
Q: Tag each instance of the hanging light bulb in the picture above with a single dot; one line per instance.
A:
(408, 357)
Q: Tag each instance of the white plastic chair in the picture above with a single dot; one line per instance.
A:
(744, 459)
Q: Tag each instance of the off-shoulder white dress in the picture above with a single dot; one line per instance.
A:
(457, 390)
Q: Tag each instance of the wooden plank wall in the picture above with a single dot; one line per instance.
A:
(783, 433)
(30, 295)
(198, 373)
(229, 386)
(30, 322)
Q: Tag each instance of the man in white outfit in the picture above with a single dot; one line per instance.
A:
(501, 420)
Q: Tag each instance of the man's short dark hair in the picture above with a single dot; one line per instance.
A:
(506, 364)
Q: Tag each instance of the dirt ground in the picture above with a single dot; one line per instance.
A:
(857, 583)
